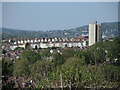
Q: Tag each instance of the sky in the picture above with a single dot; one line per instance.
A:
(42, 16)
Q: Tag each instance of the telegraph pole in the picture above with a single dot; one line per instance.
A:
(61, 80)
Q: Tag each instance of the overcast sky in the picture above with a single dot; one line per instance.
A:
(56, 15)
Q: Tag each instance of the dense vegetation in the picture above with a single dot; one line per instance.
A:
(96, 67)
(108, 29)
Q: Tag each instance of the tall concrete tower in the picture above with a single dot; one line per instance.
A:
(95, 34)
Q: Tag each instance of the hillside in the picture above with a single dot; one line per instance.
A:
(109, 29)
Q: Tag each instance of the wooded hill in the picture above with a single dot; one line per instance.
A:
(109, 29)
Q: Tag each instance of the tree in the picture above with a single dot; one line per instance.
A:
(113, 50)
(86, 55)
(46, 53)
(68, 52)
(40, 72)
(3, 51)
(23, 64)
(71, 75)
(19, 48)
(31, 56)
(27, 46)
(98, 52)
(7, 67)
(6, 72)
(92, 76)
(22, 68)
(112, 73)
(58, 59)
(71, 72)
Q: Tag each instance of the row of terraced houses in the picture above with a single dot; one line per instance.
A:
(80, 41)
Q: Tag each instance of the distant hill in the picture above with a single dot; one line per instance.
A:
(109, 29)
(22, 33)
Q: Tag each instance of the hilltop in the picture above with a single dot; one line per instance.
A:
(109, 29)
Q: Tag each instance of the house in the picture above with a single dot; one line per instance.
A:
(80, 41)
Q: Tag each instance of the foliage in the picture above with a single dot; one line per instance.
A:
(68, 52)
(23, 64)
(22, 68)
(3, 51)
(40, 70)
(58, 59)
(96, 67)
(7, 67)
(71, 71)
(8, 85)
(86, 55)
(31, 56)
(46, 53)
(19, 48)
(98, 52)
